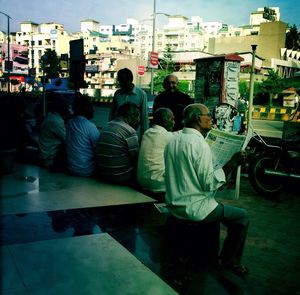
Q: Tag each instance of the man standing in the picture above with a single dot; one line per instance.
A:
(173, 99)
(118, 146)
(191, 184)
(151, 167)
(128, 92)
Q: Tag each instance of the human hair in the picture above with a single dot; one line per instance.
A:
(58, 103)
(191, 114)
(127, 109)
(83, 107)
(126, 74)
(161, 116)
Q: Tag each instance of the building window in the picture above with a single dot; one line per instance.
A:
(40, 42)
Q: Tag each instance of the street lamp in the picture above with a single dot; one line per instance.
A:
(44, 60)
(249, 118)
(8, 48)
(153, 39)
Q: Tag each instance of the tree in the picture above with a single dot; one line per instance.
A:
(166, 67)
(52, 64)
(292, 40)
(244, 89)
(271, 86)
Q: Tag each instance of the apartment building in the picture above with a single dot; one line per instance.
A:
(133, 40)
(40, 37)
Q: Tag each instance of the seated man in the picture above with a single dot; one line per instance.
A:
(151, 167)
(191, 184)
(81, 138)
(118, 146)
(52, 135)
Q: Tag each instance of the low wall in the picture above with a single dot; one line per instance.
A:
(271, 113)
(258, 112)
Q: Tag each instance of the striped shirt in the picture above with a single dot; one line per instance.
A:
(136, 96)
(116, 152)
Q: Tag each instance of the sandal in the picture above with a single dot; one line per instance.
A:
(238, 269)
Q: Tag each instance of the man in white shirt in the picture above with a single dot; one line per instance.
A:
(151, 166)
(191, 184)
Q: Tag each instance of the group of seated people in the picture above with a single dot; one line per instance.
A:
(114, 154)
(175, 165)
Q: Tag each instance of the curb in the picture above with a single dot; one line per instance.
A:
(271, 113)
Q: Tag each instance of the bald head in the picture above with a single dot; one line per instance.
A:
(197, 116)
(170, 83)
(164, 117)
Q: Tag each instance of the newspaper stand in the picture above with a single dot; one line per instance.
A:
(217, 80)
(217, 86)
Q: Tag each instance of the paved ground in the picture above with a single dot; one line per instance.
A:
(272, 249)
(271, 253)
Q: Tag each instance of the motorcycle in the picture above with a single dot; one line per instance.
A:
(272, 166)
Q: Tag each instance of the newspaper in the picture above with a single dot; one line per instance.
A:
(225, 144)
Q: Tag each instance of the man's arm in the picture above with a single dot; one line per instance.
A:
(237, 160)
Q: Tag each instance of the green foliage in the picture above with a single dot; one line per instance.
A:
(52, 64)
(292, 40)
(244, 88)
(184, 86)
(271, 86)
(166, 67)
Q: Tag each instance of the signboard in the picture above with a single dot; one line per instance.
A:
(91, 68)
(141, 70)
(18, 55)
(153, 60)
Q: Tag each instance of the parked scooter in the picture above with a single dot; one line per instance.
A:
(272, 165)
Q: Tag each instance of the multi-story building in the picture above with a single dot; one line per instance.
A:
(133, 40)
(40, 37)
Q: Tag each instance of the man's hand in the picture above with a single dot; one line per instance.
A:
(236, 160)
(239, 158)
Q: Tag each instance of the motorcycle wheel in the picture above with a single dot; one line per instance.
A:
(266, 185)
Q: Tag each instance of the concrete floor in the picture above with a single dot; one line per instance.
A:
(128, 226)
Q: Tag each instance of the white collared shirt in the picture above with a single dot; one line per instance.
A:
(151, 166)
(190, 180)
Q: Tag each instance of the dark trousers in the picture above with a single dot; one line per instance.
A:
(236, 221)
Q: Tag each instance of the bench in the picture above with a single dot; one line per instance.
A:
(32, 189)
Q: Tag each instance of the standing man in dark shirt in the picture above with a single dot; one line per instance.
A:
(173, 99)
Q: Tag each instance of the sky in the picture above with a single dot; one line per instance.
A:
(69, 13)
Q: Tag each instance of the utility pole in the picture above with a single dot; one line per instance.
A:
(153, 44)
(8, 49)
(250, 106)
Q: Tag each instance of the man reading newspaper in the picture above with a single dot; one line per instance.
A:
(192, 181)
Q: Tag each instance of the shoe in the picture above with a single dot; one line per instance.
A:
(238, 269)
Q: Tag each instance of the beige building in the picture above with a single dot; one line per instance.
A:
(269, 41)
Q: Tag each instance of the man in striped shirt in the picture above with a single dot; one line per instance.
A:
(118, 146)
